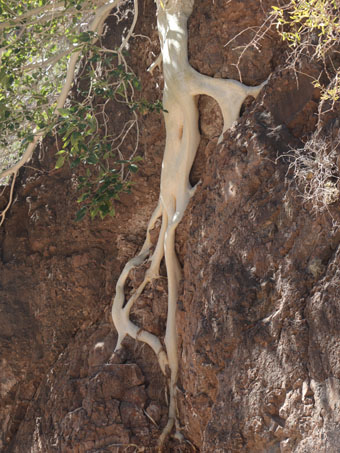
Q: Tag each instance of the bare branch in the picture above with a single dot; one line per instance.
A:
(50, 61)
(3, 213)
(54, 6)
(30, 13)
(128, 36)
(25, 158)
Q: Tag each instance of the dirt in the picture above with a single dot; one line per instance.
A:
(258, 317)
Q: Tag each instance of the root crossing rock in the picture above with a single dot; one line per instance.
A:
(182, 86)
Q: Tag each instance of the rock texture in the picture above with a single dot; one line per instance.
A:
(61, 387)
(265, 297)
(259, 312)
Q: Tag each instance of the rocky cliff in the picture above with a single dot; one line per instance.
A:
(258, 316)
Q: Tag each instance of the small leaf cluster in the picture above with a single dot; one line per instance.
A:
(84, 129)
(100, 172)
(35, 45)
(319, 16)
(312, 30)
(37, 39)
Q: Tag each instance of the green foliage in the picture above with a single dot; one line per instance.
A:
(37, 39)
(84, 129)
(312, 29)
(320, 16)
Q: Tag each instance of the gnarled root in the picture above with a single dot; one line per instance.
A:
(182, 85)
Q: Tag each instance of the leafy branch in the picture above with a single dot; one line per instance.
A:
(44, 47)
(312, 30)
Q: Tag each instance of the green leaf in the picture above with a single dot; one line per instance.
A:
(83, 197)
(75, 162)
(133, 168)
(64, 112)
(60, 162)
(81, 213)
(92, 159)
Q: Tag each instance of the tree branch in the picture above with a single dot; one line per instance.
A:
(3, 213)
(96, 26)
(50, 61)
(30, 13)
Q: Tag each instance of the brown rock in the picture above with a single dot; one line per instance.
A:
(132, 415)
(258, 316)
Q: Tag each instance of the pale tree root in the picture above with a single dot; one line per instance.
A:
(182, 86)
(121, 310)
(182, 139)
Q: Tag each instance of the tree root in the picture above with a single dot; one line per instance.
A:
(182, 85)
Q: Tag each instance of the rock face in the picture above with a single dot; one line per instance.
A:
(259, 312)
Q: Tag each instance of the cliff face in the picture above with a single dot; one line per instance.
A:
(258, 316)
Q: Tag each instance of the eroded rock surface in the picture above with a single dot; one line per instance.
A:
(264, 299)
(258, 317)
